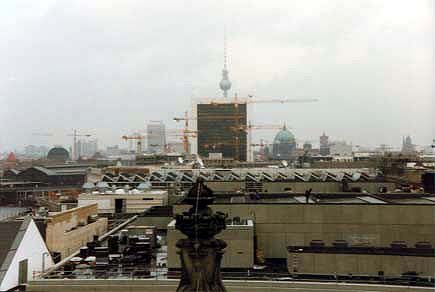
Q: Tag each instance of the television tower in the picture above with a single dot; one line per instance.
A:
(225, 83)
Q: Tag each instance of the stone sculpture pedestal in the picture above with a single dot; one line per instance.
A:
(201, 265)
(200, 253)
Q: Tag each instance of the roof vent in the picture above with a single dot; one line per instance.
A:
(339, 243)
(423, 245)
(317, 243)
(398, 244)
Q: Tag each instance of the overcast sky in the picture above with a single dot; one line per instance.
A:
(108, 66)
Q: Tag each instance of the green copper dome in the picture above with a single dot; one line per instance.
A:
(284, 136)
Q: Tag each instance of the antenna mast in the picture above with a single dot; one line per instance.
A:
(225, 83)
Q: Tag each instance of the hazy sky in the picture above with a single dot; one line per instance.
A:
(106, 67)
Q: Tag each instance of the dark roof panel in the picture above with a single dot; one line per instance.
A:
(8, 232)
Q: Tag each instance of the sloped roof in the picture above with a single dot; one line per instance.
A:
(44, 170)
(12, 233)
(8, 231)
(260, 174)
(12, 171)
(11, 157)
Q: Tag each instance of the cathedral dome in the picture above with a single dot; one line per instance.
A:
(284, 136)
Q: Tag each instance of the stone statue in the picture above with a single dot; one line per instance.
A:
(200, 253)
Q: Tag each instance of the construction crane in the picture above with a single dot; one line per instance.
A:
(75, 135)
(139, 139)
(185, 134)
(186, 130)
(250, 99)
(247, 100)
(42, 134)
(192, 133)
(280, 100)
(248, 128)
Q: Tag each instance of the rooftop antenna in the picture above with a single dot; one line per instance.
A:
(225, 83)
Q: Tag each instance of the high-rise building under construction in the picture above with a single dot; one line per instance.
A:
(222, 124)
(222, 129)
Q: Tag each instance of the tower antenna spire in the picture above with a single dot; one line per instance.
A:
(225, 47)
(225, 83)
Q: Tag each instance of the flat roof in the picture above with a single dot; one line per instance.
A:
(327, 199)
(247, 223)
(398, 251)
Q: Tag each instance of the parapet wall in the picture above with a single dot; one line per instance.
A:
(69, 230)
(231, 286)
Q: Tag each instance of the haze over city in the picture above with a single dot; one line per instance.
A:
(217, 145)
(107, 67)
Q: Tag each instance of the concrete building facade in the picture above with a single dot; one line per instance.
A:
(360, 261)
(222, 129)
(278, 225)
(124, 201)
(239, 253)
(67, 231)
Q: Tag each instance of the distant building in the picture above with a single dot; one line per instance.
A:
(177, 147)
(222, 129)
(86, 148)
(58, 154)
(156, 137)
(324, 145)
(157, 158)
(384, 148)
(33, 151)
(113, 150)
(340, 148)
(10, 162)
(284, 145)
(55, 176)
(22, 253)
(12, 158)
(407, 146)
(307, 147)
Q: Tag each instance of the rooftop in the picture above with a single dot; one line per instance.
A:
(252, 174)
(329, 199)
(424, 251)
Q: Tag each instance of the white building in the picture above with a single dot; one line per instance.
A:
(23, 253)
(86, 148)
(156, 137)
(124, 201)
(340, 148)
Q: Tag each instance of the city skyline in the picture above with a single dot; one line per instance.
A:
(369, 65)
